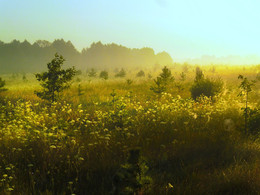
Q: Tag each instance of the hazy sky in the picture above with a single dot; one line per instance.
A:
(184, 28)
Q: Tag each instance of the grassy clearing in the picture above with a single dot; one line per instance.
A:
(79, 144)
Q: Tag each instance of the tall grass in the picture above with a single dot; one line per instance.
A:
(79, 144)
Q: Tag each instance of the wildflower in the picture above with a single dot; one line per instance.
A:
(53, 146)
(81, 159)
(30, 165)
(10, 189)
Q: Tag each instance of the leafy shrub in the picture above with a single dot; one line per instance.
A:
(206, 87)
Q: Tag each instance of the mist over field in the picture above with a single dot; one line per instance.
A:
(129, 97)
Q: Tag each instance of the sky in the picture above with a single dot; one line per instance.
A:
(183, 28)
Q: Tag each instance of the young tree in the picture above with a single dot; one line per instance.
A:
(166, 75)
(55, 80)
(159, 86)
(129, 81)
(104, 75)
(161, 82)
(199, 74)
(121, 73)
(80, 91)
(246, 87)
(140, 74)
(24, 77)
(182, 76)
(92, 73)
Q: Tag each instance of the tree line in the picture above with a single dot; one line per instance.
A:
(21, 57)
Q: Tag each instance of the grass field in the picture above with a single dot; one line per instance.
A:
(86, 142)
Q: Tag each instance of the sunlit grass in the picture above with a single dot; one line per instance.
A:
(78, 144)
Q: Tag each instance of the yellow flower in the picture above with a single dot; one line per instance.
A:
(53, 146)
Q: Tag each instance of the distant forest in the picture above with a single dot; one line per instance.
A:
(21, 57)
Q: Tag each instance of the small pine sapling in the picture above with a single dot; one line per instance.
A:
(55, 80)
(183, 76)
(246, 87)
(92, 73)
(140, 74)
(80, 91)
(132, 177)
(159, 86)
(103, 75)
(199, 74)
(129, 81)
(113, 95)
(166, 75)
(121, 73)
(162, 81)
(179, 85)
(24, 78)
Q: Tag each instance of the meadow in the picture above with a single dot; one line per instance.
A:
(117, 136)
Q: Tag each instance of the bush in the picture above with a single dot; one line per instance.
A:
(206, 87)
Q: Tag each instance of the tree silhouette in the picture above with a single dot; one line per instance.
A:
(32, 57)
